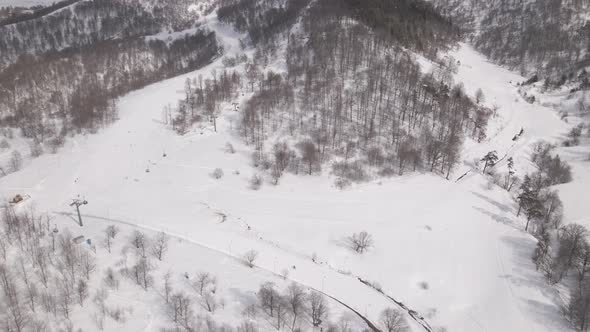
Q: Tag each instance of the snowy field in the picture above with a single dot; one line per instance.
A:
(25, 3)
(452, 251)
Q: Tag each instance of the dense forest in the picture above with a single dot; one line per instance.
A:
(548, 37)
(60, 73)
(351, 95)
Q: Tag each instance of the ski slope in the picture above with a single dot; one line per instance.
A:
(499, 87)
(454, 252)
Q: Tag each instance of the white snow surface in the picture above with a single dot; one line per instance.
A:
(26, 3)
(461, 239)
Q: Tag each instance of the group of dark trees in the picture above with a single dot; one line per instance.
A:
(562, 250)
(61, 72)
(295, 308)
(536, 200)
(547, 37)
(74, 89)
(12, 15)
(408, 23)
(89, 22)
(260, 19)
(202, 101)
(351, 93)
(42, 270)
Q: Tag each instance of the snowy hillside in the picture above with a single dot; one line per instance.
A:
(447, 251)
(25, 3)
(548, 37)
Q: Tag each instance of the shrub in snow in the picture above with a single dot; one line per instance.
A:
(353, 171)
(36, 149)
(285, 274)
(260, 160)
(55, 143)
(342, 183)
(217, 173)
(117, 314)
(250, 257)
(256, 182)
(574, 136)
(110, 279)
(229, 148)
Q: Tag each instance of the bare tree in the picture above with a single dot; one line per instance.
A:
(295, 298)
(16, 161)
(250, 257)
(393, 320)
(160, 245)
(282, 155)
(142, 272)
(204, 281)
(100, 298)
(247, 326)
(65, 297)
(69, 256)
(578, 308)
(42, 264)
(209, 302)
(31, 287)
(309, 154)
(112, 231)
(108, 242)
(479, 96)
(167, 287)
(268, 298)
(571, 246)
(490, 159)
(109, 235)
(360, 242)
(87, 264)
(181, 312)
(110, 279)
(281, 309)
(317, 308)
(82, 291)
(15, 310)
(139, 241)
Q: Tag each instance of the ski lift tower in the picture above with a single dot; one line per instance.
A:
(77, 203)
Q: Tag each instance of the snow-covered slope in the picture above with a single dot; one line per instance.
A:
(454, 252)
(25, 3)
(543, 37)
